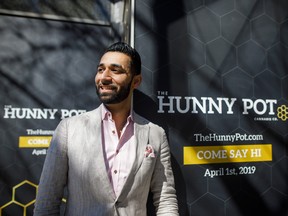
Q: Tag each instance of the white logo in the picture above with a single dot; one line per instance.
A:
(37, 113)
(209, 105)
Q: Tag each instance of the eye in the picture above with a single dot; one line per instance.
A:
(100, 69)
(117, 70)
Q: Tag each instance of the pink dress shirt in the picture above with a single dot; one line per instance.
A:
(119, 153)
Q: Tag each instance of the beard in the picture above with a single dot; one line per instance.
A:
(115, 96)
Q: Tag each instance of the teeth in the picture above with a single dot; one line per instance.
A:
(107, 87)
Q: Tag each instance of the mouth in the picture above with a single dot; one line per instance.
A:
(106, 88)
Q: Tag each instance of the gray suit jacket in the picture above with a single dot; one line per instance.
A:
(75, 159)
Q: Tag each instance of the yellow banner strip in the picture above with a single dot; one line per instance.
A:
(34, 141)
(226, 154)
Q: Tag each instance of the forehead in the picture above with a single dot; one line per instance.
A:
(112, 58)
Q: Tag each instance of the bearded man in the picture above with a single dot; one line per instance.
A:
(110, 158)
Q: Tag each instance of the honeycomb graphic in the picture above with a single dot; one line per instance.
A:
(20, 201)
(23, 197)
(282, 112)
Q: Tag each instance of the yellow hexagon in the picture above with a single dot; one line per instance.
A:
(14, 201)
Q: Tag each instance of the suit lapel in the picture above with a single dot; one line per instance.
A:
(99, 168)
(141, 130)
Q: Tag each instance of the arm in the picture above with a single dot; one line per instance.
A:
(162, 184)
(54, 175)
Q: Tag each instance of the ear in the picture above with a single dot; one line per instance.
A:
(137, 81)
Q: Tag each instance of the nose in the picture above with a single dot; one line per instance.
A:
(104, 76)
(105, 73)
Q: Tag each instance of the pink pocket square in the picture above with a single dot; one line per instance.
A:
(149, 151)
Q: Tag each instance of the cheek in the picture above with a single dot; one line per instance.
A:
(96, 79)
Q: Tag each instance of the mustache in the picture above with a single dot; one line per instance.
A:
(106, 85)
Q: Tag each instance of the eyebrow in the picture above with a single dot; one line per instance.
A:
(113, 65)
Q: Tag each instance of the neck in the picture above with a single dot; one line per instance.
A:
(120, 113)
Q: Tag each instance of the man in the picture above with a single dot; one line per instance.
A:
(109, 158)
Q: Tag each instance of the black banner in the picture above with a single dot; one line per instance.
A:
(47, 73)
(216, 72)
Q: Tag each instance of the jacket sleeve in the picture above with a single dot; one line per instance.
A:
(54, 175)
(162, 184)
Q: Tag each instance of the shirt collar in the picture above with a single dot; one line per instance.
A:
(106, 114)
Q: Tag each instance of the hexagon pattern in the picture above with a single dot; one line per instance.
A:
(222, 49)
(23, 196)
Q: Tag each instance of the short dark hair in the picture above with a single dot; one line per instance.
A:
(131, 52)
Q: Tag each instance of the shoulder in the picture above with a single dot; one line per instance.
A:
(89, 115)
(154, 128)
(90, 118)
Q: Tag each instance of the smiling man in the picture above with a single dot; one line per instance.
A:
(109, 158)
